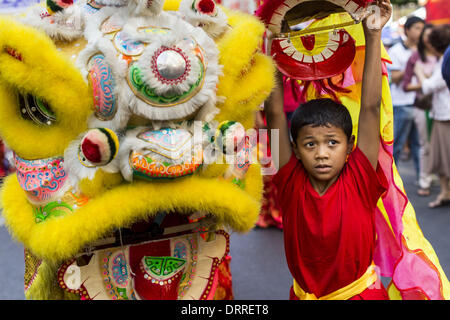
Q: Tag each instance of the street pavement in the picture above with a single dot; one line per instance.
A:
(258, 263)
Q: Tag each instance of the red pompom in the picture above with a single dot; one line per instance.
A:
(91, 151)
(207, 6)
(68, 2)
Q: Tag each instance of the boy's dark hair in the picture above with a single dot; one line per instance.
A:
(412, 20)
(440, 37)
(321, 112)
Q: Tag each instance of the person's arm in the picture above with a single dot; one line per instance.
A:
(397, 76)
(276, 119)
(409, 73)
(369, 116)
(431, 84)
(419, 74)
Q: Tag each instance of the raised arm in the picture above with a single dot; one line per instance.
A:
(369, 116)
(276, 120)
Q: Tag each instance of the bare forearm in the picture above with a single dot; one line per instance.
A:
(371, 84)
(369, 116)
(413, 87)
(420, 75)
(397, 76)
(276, 120)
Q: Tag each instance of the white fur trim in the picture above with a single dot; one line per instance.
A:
(145, 7)
(112, 3)
(65, 25)
(214, 26)
(74, 169)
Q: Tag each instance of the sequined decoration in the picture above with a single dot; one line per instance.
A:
(115, 276)
(191, 266)
(41, 179)
(127, 46)
(32, 264)
(147, 168)
(162, 269)
(119, 270)
(168, 139)
(102, 82)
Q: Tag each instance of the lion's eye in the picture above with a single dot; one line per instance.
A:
(36, 110)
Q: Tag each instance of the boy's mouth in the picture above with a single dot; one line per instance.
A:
(323, 168)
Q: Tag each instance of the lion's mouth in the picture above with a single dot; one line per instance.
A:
(168, 257)
(163, 226)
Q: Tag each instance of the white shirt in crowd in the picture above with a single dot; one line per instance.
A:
(400, 55)
(436, 84)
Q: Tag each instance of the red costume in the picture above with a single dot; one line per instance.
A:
(330, 239)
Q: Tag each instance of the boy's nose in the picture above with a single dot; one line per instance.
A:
(322, 152)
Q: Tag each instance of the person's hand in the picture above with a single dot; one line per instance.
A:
(381, 12)
(269, 38)
(259, 121)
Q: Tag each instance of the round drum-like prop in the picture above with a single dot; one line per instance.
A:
(314, 57)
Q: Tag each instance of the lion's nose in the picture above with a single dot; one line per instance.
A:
(98, 147)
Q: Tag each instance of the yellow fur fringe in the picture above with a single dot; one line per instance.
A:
(60, 238)
(248, 75)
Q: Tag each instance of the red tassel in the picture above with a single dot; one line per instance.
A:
(324, 85)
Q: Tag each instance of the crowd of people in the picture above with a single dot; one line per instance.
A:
(421, 104)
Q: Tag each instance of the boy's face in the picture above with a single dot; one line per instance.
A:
(323, 151)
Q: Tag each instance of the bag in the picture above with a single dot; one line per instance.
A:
(423, 101)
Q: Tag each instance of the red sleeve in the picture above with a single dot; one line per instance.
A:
(371, 184)
(288, 178)
(286, 171)
(409, 71)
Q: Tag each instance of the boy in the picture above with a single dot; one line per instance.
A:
(328, 193)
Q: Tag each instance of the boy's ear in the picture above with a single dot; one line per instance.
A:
(295, 150)
(351, 144)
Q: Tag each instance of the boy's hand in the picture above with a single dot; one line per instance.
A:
(381, 12)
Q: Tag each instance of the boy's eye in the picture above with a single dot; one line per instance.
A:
(309, 144)
(333, 142)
